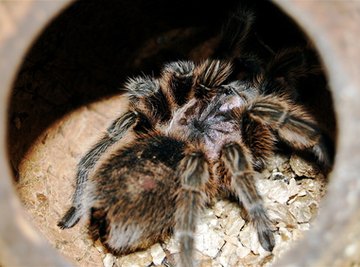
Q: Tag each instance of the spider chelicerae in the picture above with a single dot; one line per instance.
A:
(201, 131)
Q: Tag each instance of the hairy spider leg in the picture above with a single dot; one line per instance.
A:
(113, 134)
(238, 167)
(138, 89)
(238, 38)
(191, 198)
(235, 32)
(293, 125)
(286, 69)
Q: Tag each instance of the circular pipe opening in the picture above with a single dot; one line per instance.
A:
(73, 73)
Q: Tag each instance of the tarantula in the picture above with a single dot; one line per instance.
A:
(200, 132)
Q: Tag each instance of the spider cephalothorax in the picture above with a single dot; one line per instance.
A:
(199, 132)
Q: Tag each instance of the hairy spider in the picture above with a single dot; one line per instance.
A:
(200, 132)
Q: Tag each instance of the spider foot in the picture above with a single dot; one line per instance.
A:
(70, 218)
(266, 238)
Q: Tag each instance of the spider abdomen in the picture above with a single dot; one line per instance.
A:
(133, 194)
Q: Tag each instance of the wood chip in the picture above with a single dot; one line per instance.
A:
(302, 167)
(137, 259)
(157, 254)
(109, 260)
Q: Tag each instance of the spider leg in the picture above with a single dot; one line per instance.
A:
(139, 90)
(194, 174)
(237, 41)
(287, 68)
(293, 125)
(260, 140)
(114, 133)
(239, 169)
(235, 32)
